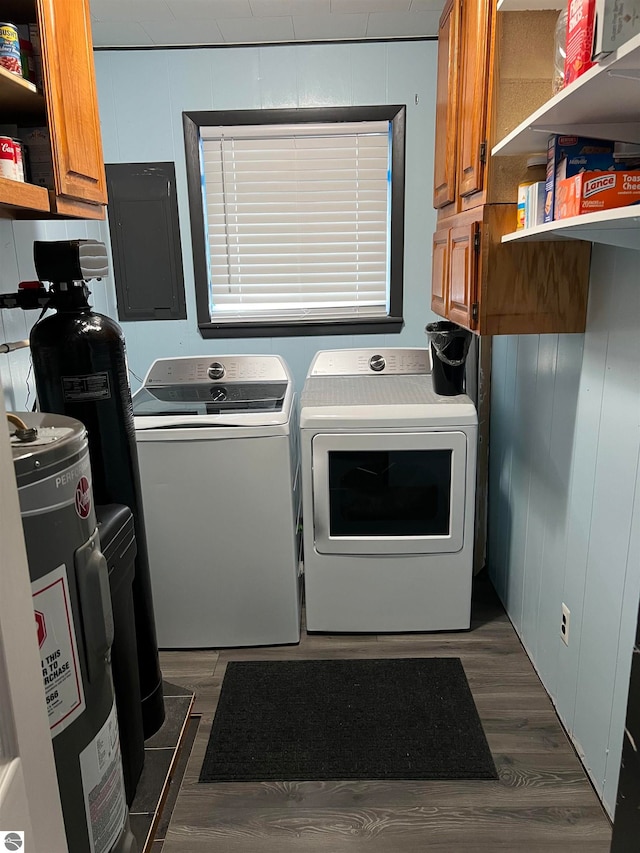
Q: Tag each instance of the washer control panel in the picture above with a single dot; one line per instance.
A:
(203, 369)
(381, 362)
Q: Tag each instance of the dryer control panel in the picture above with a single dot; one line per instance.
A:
(397, 361)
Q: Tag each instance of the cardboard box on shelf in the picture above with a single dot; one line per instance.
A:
(616, 22)
(38, 145)
(588, 192)
(579, 44)
(534, 205)
(568, 155)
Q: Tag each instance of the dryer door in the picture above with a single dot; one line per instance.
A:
(389, 493)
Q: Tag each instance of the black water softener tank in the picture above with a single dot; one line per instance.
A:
(74, 624)
(80, 368)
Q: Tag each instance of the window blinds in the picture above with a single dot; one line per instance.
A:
(297, 220)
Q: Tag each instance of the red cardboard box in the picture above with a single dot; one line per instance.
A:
(580, 25)
(588, 192)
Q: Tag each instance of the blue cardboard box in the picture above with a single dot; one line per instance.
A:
(568, 155)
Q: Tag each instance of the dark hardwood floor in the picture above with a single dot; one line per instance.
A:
(542, 802)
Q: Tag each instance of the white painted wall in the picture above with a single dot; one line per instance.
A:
(564, 512)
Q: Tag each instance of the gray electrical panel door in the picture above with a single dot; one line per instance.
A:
(145, 241)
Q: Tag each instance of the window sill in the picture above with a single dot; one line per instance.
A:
(302, 328)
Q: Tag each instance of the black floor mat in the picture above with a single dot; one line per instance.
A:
(407, 718)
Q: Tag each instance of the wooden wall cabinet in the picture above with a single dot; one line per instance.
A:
(68, 107)
(461, 104)
(486, 86)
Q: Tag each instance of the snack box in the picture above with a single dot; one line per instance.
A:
(616, 22)
(568, 155)
(534, 205)
(588, 192)
(579, 44)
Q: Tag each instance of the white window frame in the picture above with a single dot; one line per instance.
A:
(204, 156)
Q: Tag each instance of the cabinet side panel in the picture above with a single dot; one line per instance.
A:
(532, 290)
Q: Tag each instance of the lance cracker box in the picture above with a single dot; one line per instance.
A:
(589, 192)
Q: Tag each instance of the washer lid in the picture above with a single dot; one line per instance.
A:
(212, 398)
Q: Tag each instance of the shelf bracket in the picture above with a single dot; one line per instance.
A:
(629, 74)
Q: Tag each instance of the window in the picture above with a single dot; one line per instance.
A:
(297, 220)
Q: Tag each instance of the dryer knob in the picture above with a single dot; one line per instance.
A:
(216, 370)
(218, 394)
(377, 363)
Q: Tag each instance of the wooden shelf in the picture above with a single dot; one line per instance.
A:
(618, 227)
(598, 104)
(17, 196)
(18, 95)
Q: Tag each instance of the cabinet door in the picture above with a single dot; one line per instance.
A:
(444, 175)
(463, 274)
(74, 125)
(440, 272)
(473, 87)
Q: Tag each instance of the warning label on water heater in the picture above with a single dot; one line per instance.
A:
(92, 386)
(58, 649)
(103, 786)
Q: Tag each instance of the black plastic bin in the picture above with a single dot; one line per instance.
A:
(118, 544)
(449, 348)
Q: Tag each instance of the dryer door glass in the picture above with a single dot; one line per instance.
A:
(389, 493)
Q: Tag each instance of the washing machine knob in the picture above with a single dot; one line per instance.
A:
(377, 363)
(216, 370)
(218, 394)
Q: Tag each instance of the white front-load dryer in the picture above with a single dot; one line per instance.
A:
(388, 485)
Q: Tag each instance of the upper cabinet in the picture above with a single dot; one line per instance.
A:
(473, 91)
(493, 70)
(67, 110)
(461, 104)
(444, 177)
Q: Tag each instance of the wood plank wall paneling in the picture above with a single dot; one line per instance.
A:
(13, 325)
(564, 473)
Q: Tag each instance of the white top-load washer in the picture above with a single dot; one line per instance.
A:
(217, 445)
(388, 474)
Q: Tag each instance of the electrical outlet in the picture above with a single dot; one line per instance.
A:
(564, 625)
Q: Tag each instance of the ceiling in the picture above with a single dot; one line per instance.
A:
(144, 23)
